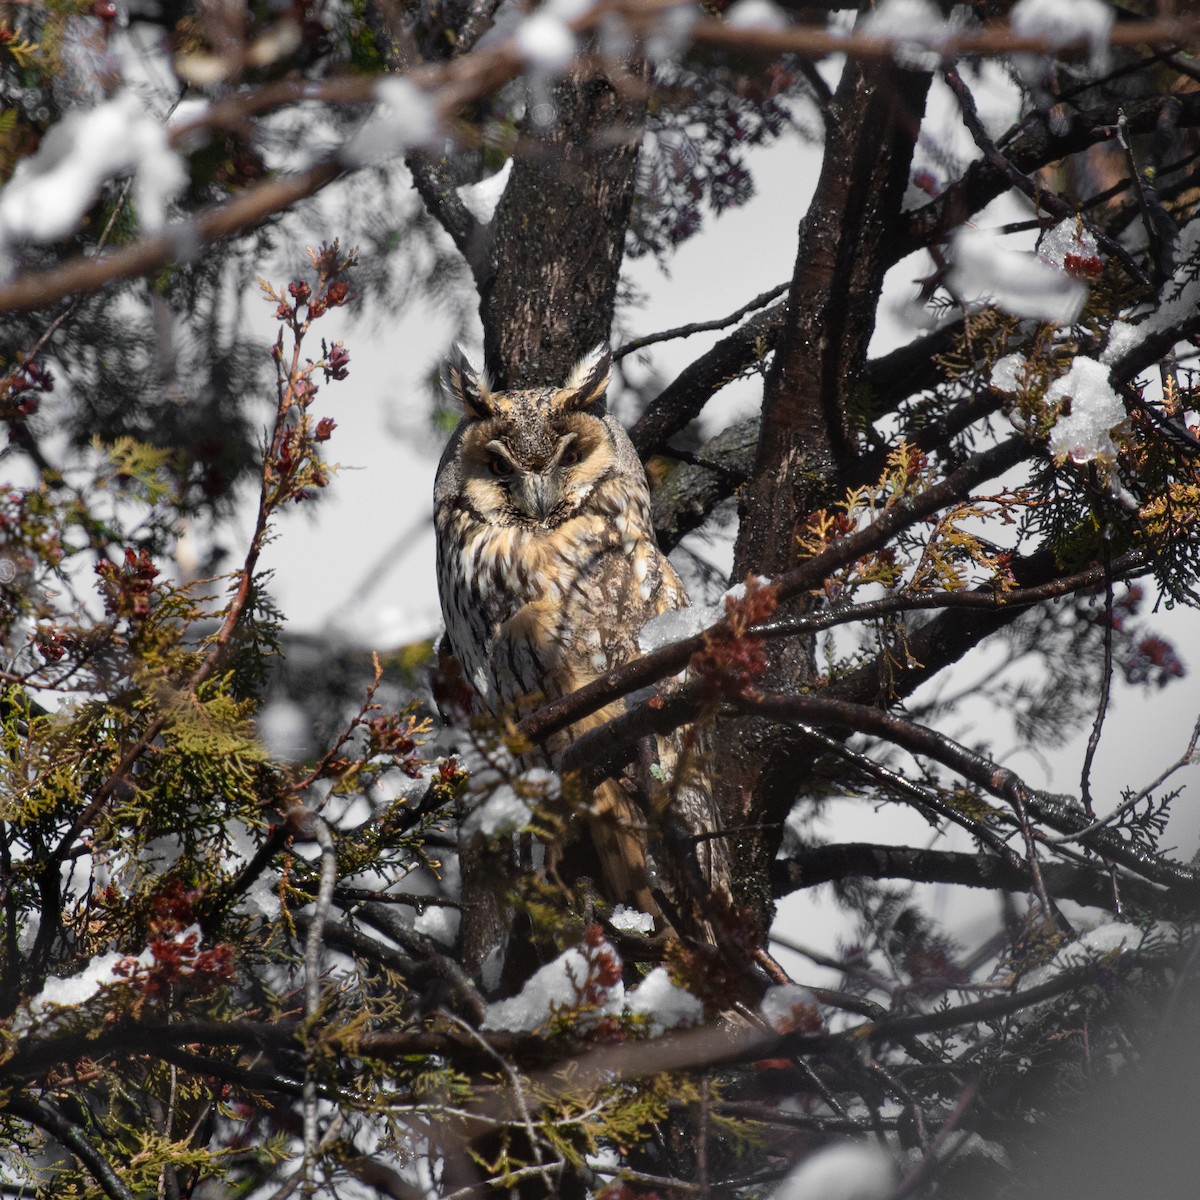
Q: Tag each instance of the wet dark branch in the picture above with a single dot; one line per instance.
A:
(1062, 813)
(1034, 145)
(74, 1137)
(1041, 197)
(683, 399)
(134, 1037)
(825, 864)
(991, 1009)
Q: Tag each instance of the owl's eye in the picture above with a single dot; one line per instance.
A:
(499, 466)
(570, 457)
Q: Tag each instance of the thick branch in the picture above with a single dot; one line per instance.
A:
(682, 400)
(826, 864)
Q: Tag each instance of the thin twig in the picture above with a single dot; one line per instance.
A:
(1085, 778)
(1123, 808)
(684, 331)
(518, 1092)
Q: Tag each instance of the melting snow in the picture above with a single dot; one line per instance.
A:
(1068, 239)
(404, 117)
(629, 920)
(481, 199)
(1085, 433)
(50, 191)
(676, 626)
(984, 272)
(559, 987)
(1008, 372)
(667, 1006)
(850, 1171)
(502, 812)
(554, 987)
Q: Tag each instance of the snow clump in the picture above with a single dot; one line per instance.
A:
(105, 970)
(1063, 23)
(1085, 433)
(502, 812)
(677, 625)
(571, 983)
(584, 984)
(1020, 283)
(482, 199)
(917, 27)
(666, 1005)
(629, 920)
(403, 117)
(1070, 246)
(1103, 939)
(49, 192)
(849, 1171)
(1007, 373)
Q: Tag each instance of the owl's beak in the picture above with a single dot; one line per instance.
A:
(538, 495)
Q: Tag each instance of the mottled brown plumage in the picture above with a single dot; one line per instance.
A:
(548, 568)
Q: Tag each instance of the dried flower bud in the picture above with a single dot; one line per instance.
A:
(299, 290)
(325, 428)
(339, 362)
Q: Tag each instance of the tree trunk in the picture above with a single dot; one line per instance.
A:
(558, 235)
(807, 446)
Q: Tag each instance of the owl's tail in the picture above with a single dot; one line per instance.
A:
(618, 830)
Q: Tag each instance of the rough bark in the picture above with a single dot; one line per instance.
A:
(814, 390)
(558, 235)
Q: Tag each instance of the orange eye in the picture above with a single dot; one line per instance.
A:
(500, 466)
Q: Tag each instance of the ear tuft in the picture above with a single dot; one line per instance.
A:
(588, 380)
(466, 387)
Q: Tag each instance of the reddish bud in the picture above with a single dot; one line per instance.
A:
(299, 291)
(325, 428)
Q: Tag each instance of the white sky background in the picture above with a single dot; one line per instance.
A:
(378, 510)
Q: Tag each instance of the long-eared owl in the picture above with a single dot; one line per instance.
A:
(548, 568)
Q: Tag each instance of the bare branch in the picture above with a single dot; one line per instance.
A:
(685, 331)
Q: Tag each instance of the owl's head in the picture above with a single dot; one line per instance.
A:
(532, 456)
